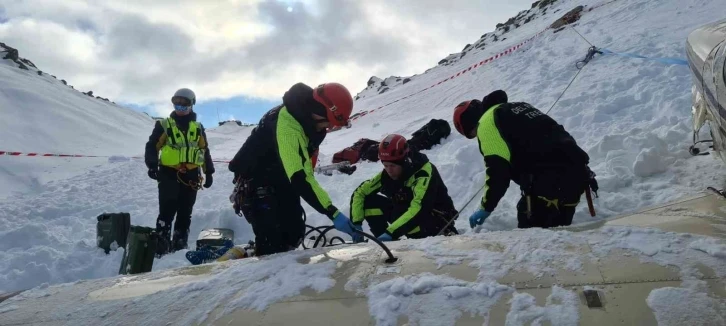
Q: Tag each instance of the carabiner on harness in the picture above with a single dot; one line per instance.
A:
(196, 185)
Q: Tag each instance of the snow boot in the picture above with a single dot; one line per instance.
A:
(180, 240)
(163, 244)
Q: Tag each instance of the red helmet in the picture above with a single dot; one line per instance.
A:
(466, 117)
(337, 101)
(393, 148)
(468, 113)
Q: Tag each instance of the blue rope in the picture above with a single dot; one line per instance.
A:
(208, 254)
(671, 61)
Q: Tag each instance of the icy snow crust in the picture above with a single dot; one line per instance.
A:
(632, 116)
(429, 298)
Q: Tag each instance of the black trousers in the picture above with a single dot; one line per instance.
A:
(276, 219)
(175, 200)
(380, 212)
(549, 198)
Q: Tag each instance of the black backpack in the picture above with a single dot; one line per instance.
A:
(429, 135)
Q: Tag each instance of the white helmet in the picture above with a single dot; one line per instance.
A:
(185, 93)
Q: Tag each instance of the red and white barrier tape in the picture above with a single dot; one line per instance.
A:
(476, 65)
(361, 114)
(468, 69)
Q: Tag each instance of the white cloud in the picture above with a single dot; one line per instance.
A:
(140, 51)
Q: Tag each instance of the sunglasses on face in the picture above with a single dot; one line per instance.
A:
(182, 108)
(183, 101)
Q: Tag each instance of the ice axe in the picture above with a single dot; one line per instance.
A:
(588, 195)
(592, 184)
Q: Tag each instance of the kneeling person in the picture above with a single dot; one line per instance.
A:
(407, 198)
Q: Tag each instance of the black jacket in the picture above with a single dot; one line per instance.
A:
(415, 195)
(517, 141)
(269, 160)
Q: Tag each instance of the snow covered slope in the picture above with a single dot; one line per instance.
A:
(44, 115)
(519, 277)
(631, 115)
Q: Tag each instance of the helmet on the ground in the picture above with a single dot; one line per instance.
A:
(184, 97)
(337, 101)
(393, 148)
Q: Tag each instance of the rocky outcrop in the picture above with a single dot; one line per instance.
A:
(373, 80)
(545, 3)
(9, 53)
(569, 18)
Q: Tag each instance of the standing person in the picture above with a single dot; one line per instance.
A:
(273, 168)
(524, 145)
(413, 199)
(181, 143)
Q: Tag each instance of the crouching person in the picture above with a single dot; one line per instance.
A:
(407, 198)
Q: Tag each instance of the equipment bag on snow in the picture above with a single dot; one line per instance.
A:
(214, 237)
(110, 228)
(364, 148)
(229, 251)
(429, 135)
(140, 250)
(208, 253)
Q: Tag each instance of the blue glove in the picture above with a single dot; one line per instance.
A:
(478, 217)
(357, 237)
(342, 223)
(385, 237)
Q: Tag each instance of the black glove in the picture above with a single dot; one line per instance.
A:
(347, 169)
(153, 173)
(208, 182)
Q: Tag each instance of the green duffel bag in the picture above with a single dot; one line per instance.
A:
(112, 227)
(140, 251)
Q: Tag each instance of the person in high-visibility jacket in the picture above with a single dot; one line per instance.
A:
(407, 198)
(520, 143)
(177, 154)
(273, 169)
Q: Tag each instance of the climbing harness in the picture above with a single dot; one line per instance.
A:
(196, 185)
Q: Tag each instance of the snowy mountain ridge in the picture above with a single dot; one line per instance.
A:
(539, 9)
(11, 56)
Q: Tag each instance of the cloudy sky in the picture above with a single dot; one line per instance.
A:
(239, 56)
